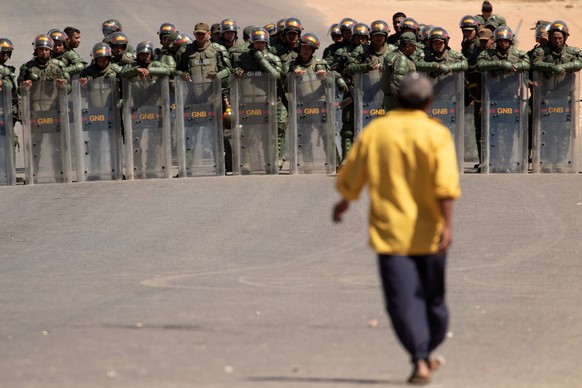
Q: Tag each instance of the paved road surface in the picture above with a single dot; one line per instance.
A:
(244, 281)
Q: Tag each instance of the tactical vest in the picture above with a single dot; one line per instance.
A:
(202, 61)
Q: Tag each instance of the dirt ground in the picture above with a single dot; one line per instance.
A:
(520, 15)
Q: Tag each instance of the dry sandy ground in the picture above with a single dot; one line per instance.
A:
(448, 13)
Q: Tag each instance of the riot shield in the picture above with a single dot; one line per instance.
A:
(147, 128)
(311, 114)
(46, 132)
(337, 121)
(199, 127)
(368, 98)
(254, 97)
(554, 123)
(504, 118)
(449, 108)
(7, 168)
(97, 129)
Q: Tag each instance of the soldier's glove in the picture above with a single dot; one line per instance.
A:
(558, 69)
(258, 55)
(506, 65)
(444, 69)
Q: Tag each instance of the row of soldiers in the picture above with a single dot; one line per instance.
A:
(282, 47)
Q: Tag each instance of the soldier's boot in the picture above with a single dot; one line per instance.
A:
(347, 140)
(280, 151)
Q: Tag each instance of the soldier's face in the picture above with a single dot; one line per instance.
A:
(102, 62)
(378, 39)
(59, 48)
(360, 40)
(557, 39)
(438, 46)
(396, 23)
(347, 35)
(201, 37)
(43, 53)
(408, 49)
(292, 37)
(118, 49)
(260, 46)
(503, 44)
(74, 40)
(469, 34)
(305, 52)
(337, 38)
(4, 55)
(229, 36)
(144, 57)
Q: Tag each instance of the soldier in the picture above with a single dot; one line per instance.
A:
(425, 34)
(439, 59)
(396, 19)
(44, 98)
(471, 48)
(74, 38)
(144, 67)
(410, 25)
(503, 58)
(229, 33)
(345, 27)
(281, 30)
(215, 33)
(273, 33)
(118, 42)
(307, 63)
(335, 33)
(396, 67)
(178, 43)
(201, 58)
(7, 75)
(554, 61)
(112, 26)
(259, 59)
(360, 35)
(236, 51)
(557, 57)
(541, 36)
(71, 61)
(371, 57)
(487, 19)
(101, 66)
(163, 54)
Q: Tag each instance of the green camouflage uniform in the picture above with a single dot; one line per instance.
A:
(396, 67)
(437, 65)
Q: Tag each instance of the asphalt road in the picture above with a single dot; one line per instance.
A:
(245, 282)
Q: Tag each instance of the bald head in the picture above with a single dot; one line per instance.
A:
(415, 91)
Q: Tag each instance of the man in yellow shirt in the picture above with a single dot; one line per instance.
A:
(408, 161)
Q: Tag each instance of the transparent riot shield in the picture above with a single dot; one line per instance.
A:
(199, 131)
(7, 168)
(449, 108)
(337, 121)
(97, 129)
(46, 132)
(368, 98)
(554, 123)
(504, 118)
(254, 97)
(312, 131)
(147, 128)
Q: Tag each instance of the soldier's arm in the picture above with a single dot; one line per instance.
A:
(129, 70)
(76, 64)
(524, 63)
(224, 68)
(158, 69)
(484, 63)
(400, 70)
(272, 67)
(356, 62)
(168, 61)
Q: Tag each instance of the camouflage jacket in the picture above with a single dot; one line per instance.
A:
(125, 59)
(551, 62)
(157, 69)
(364, 57)
(73, 63)
(497, 63)
(164, 56)
(263, 61)
(437, 65)
(396, 67)
(92, 71)
(7, 75)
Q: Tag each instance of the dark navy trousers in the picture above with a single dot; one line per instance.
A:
(414, 292)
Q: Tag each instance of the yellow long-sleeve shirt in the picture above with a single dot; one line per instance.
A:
(408, 161)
